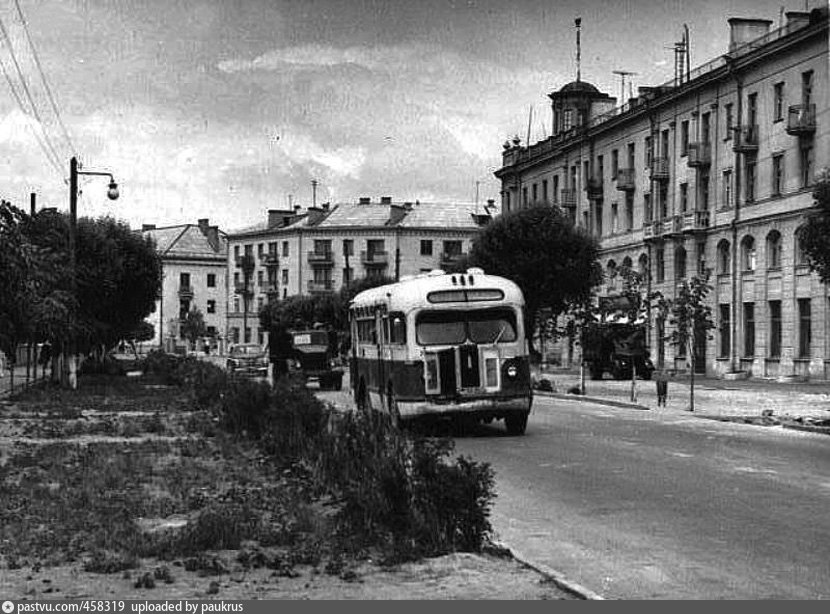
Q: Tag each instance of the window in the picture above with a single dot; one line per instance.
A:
(545, 190)
(704, 128)
(615, 163)
(184, 308)
(659, 265)
(555, 189)
(598, 219)
(211, 306)
(749, 330)
(322, 246)
(727, 188)
(777, 174)
(724, 332)
(235, 253)
(749, 188)
(211, 280)
(631, 154)
(804, 328)
(524, 196)
(285, 249)
(236, 305)
(801, 258)
(260, 249)
(648, 151)
(684, 137)
(235, 334)
(285, 277)
(348, 275)
(535, 192)
(807, 87)
(614, 218)
(272, 248)
(629, 211)
(348, 247)
(778, 101)
(680, 263)
(663, 194)
(728, 121)
(774, 250)
(703, 184)
(452, 248)
(260, 301)
(806, 151)
(774, 329)
(569, 119)
(684, 197)
(642, 263)
(752, 109)
(236, 278)
(701, 258)
(748, 254)
(724, 259)
(249, 249)
(260, 278)
(397, 327)
(184, 280)
(648, 210)
(426, 247)
(248, 334)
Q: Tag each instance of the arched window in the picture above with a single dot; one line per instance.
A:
(611, 271)
(724, 258)
(642, 265)
(680, 263)
(626, 263)
(774, 250)
(801, 257)
(748, 253)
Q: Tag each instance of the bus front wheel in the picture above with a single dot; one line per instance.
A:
(516, 423)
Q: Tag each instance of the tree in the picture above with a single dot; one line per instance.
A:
(634, 308)
(553, 262)
(193, 326)
(815, 235)
(690, 316)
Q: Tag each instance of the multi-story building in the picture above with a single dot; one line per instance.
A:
(324, 248)
(194, 267)
(712, 170)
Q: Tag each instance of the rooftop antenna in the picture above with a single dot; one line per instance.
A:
(623, 74)
(529, 121)
(578, 24)
(477, 184)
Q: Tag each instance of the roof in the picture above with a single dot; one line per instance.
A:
(185, 241)
(579, 86)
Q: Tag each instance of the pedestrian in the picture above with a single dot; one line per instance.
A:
(661, 378)
(280, 348)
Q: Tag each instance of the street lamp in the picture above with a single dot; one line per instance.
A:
(112, 194)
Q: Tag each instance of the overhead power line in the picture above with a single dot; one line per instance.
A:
(49, 154)
(26, 90)
(43, 78)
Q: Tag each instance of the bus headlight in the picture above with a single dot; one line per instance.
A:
(512, 371)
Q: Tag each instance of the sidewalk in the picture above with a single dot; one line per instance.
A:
(714, 397)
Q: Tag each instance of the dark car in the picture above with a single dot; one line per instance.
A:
(248, 360)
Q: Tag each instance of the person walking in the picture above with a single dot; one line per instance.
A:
(661, 379)
(280, 348)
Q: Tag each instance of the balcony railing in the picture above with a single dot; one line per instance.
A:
(699, 155)
(746, 139)
(567, 197)
(593, 187)
(321, 258)
(801, 119)
(269, 258)
(315, 287)
(626, 179)
(185, 291)
(271, 288)
(240, 288)
(652, 230)
(695, 221)
(659, 169)
(672, 225)
(378, 258)
(246, 260)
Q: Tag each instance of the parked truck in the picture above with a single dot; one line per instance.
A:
(316, 357)
(610, 347)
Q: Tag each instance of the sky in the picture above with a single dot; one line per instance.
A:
(223, 109)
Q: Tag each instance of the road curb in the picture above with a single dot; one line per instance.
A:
(554, 576)
(586, 399)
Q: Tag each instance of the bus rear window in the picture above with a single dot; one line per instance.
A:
(476, 326)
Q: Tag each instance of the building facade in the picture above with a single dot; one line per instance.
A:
(321, 249)
(194, 275)
(711, 171)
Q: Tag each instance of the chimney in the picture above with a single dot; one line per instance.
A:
(365, 200)
(204, 224)
(396, 213)
(144, 227)
(315, 215)
(296, 209)
(278, 218)
(743, 30)
(408, 205)
(213, 238)
(797, 18)
(326, 206)
(385, 200)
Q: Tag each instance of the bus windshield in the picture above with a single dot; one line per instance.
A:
(477, 326)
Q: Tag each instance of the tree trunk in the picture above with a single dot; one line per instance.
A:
(692, 378)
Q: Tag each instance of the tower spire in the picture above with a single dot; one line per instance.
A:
(578, 24)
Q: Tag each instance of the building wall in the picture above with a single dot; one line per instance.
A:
(733, 219)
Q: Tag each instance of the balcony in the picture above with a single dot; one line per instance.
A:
(567, 197)
(746, 139)
(659, 168)
(320, 287)
(593, 187)
(652, 230)
(626, 179)
(801, 119)
(271, 288)
(378, 258)
(699, 155)
(695, 221)
(672, 225)
(269, 258)
(321, 259)
(240, 288)
(450, 259)
(245, 261)
(185, 292)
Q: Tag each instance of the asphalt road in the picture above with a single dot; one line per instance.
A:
(634, 505)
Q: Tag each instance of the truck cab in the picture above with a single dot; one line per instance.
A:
(315, 357)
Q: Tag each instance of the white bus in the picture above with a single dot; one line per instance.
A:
(441, 344)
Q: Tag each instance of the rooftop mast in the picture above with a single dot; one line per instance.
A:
(578, 24)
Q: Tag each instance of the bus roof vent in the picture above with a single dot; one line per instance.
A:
(436, 272)
(475, 271)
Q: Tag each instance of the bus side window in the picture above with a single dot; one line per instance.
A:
(397, 327)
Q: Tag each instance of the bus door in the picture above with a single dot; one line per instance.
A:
(380, 321)
(468, 365)
(446, 369)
